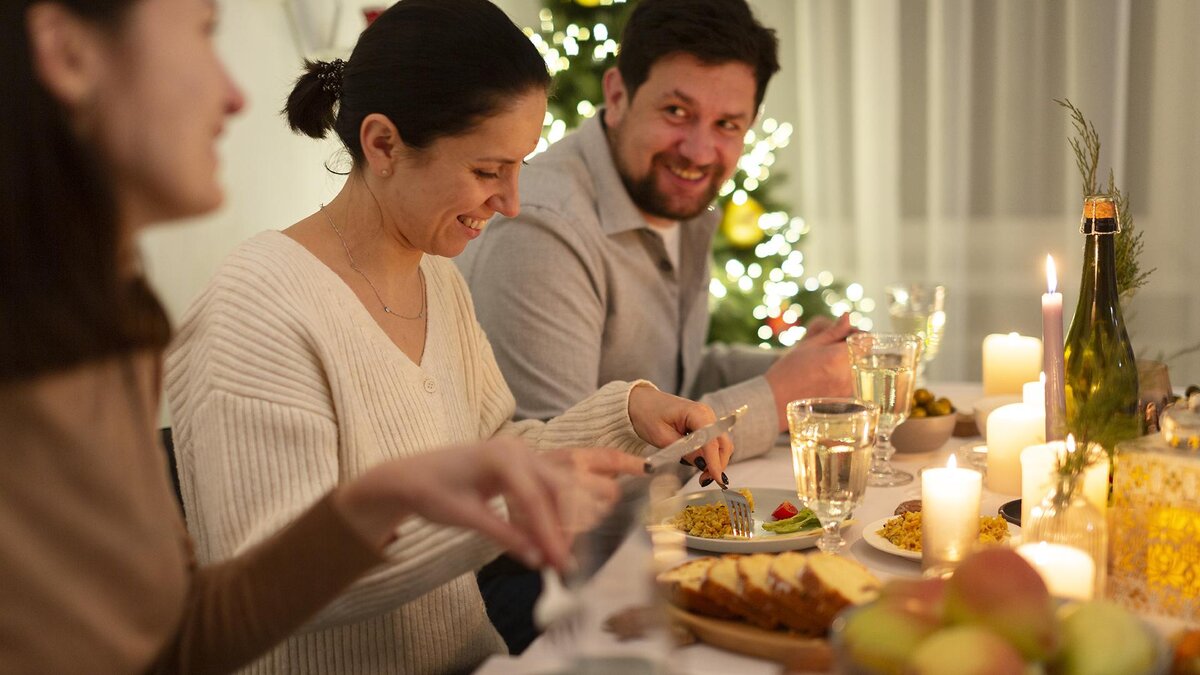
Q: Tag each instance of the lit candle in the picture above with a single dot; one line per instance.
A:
(949, 516)
(1011, 429)
(1038, 475)
(1068, 571)
(1034, 393)
(1052, 356)
(1009, 361)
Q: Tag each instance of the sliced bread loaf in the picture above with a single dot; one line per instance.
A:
(833, 583)
(682, 587)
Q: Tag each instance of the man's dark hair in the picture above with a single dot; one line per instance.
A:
(713, 31)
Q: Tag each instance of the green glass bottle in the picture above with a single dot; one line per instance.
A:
(1100, 372)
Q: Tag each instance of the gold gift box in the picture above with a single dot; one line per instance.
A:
(1154, 529)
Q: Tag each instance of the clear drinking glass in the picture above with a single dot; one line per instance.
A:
(831, 455)
(921, 309)
(884, 368)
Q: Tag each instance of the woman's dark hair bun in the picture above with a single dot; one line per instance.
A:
(311, 108)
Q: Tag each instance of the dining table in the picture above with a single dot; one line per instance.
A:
(617, 585)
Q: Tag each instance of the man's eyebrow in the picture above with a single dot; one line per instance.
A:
(675, 93)
(498, 160)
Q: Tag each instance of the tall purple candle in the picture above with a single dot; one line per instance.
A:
(1052, 356)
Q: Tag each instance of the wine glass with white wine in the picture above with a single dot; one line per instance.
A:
(919, 308)
(831, 456)
(884, 369)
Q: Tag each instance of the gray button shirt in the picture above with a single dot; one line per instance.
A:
(578, 290)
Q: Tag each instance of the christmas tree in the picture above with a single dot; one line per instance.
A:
(761, 291)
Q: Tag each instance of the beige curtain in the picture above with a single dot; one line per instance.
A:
(929, 147)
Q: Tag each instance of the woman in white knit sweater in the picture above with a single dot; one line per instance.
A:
(349, 338)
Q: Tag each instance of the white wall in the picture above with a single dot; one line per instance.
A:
(273, 177)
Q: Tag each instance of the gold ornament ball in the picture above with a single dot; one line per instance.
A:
(740, 223)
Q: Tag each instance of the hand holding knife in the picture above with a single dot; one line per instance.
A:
(675, 452)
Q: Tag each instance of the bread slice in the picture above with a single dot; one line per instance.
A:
(723, 585)
(757, 588)
(833, 583)
(681, 585)
(791, 601)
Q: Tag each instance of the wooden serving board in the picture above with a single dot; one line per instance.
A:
(789, 649)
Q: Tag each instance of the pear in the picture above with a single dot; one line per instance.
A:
(965, 650)
(880, 636)
(998, 589)
(1100, 638)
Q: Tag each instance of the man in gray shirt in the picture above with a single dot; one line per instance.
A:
(604, 274)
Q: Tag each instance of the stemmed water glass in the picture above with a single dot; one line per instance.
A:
(884, 366)
(831, 455)
(919, 308)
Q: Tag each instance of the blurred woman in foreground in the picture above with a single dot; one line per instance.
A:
(111, 112)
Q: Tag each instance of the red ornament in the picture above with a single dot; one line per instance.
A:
(372, 13)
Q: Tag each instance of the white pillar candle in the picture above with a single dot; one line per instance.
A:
(949, 516)
(1010, 361)
(1068, 571)
(1011, 429)
(1034, 393)
(1037, 477)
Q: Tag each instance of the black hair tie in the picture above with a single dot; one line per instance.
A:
(330, 75)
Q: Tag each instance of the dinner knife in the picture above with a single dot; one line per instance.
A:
(693, 441)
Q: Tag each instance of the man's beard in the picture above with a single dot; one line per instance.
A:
(651, 200)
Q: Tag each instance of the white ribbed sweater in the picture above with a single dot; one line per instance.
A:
(281, 385)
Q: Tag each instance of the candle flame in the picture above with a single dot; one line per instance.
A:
(1070, 443)
(1051, 274)
(952, 464)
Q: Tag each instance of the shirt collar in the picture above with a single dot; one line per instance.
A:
(617, 211)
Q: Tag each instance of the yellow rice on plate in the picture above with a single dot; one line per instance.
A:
(904, 531)
(708, 520)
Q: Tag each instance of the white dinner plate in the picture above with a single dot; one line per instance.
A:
(879, 543)
(760, 541)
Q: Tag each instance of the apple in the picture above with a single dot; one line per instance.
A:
(925, 597)
(999, 590)
(881, 636)
(965, 650)
(1100, 638)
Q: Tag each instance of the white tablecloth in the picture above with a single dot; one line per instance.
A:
(614, 586)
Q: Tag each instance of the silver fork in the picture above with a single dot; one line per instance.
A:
(558, 611)
(740, 519)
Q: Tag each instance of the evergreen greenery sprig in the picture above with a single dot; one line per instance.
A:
(1129, 244)
(1077, 458)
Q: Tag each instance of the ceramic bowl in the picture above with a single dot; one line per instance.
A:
(923, 434)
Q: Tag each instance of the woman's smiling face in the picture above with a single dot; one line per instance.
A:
(441, 197)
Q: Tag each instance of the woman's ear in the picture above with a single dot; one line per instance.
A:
(381, 144)
(67, 52)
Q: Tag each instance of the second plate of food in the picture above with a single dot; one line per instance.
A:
(766, 500)
(877, 541)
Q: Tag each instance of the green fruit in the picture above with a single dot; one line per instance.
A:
(965, 650)
(1100, 638)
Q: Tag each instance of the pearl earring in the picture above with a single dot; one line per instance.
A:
(385, 173)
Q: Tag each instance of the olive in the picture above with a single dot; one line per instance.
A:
(922, 397)
(941, 407)
(918, 412)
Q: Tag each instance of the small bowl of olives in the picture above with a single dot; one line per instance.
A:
(929, 425)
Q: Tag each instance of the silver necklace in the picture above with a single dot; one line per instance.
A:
(354, 266)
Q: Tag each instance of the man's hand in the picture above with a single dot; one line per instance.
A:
(819, 365)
